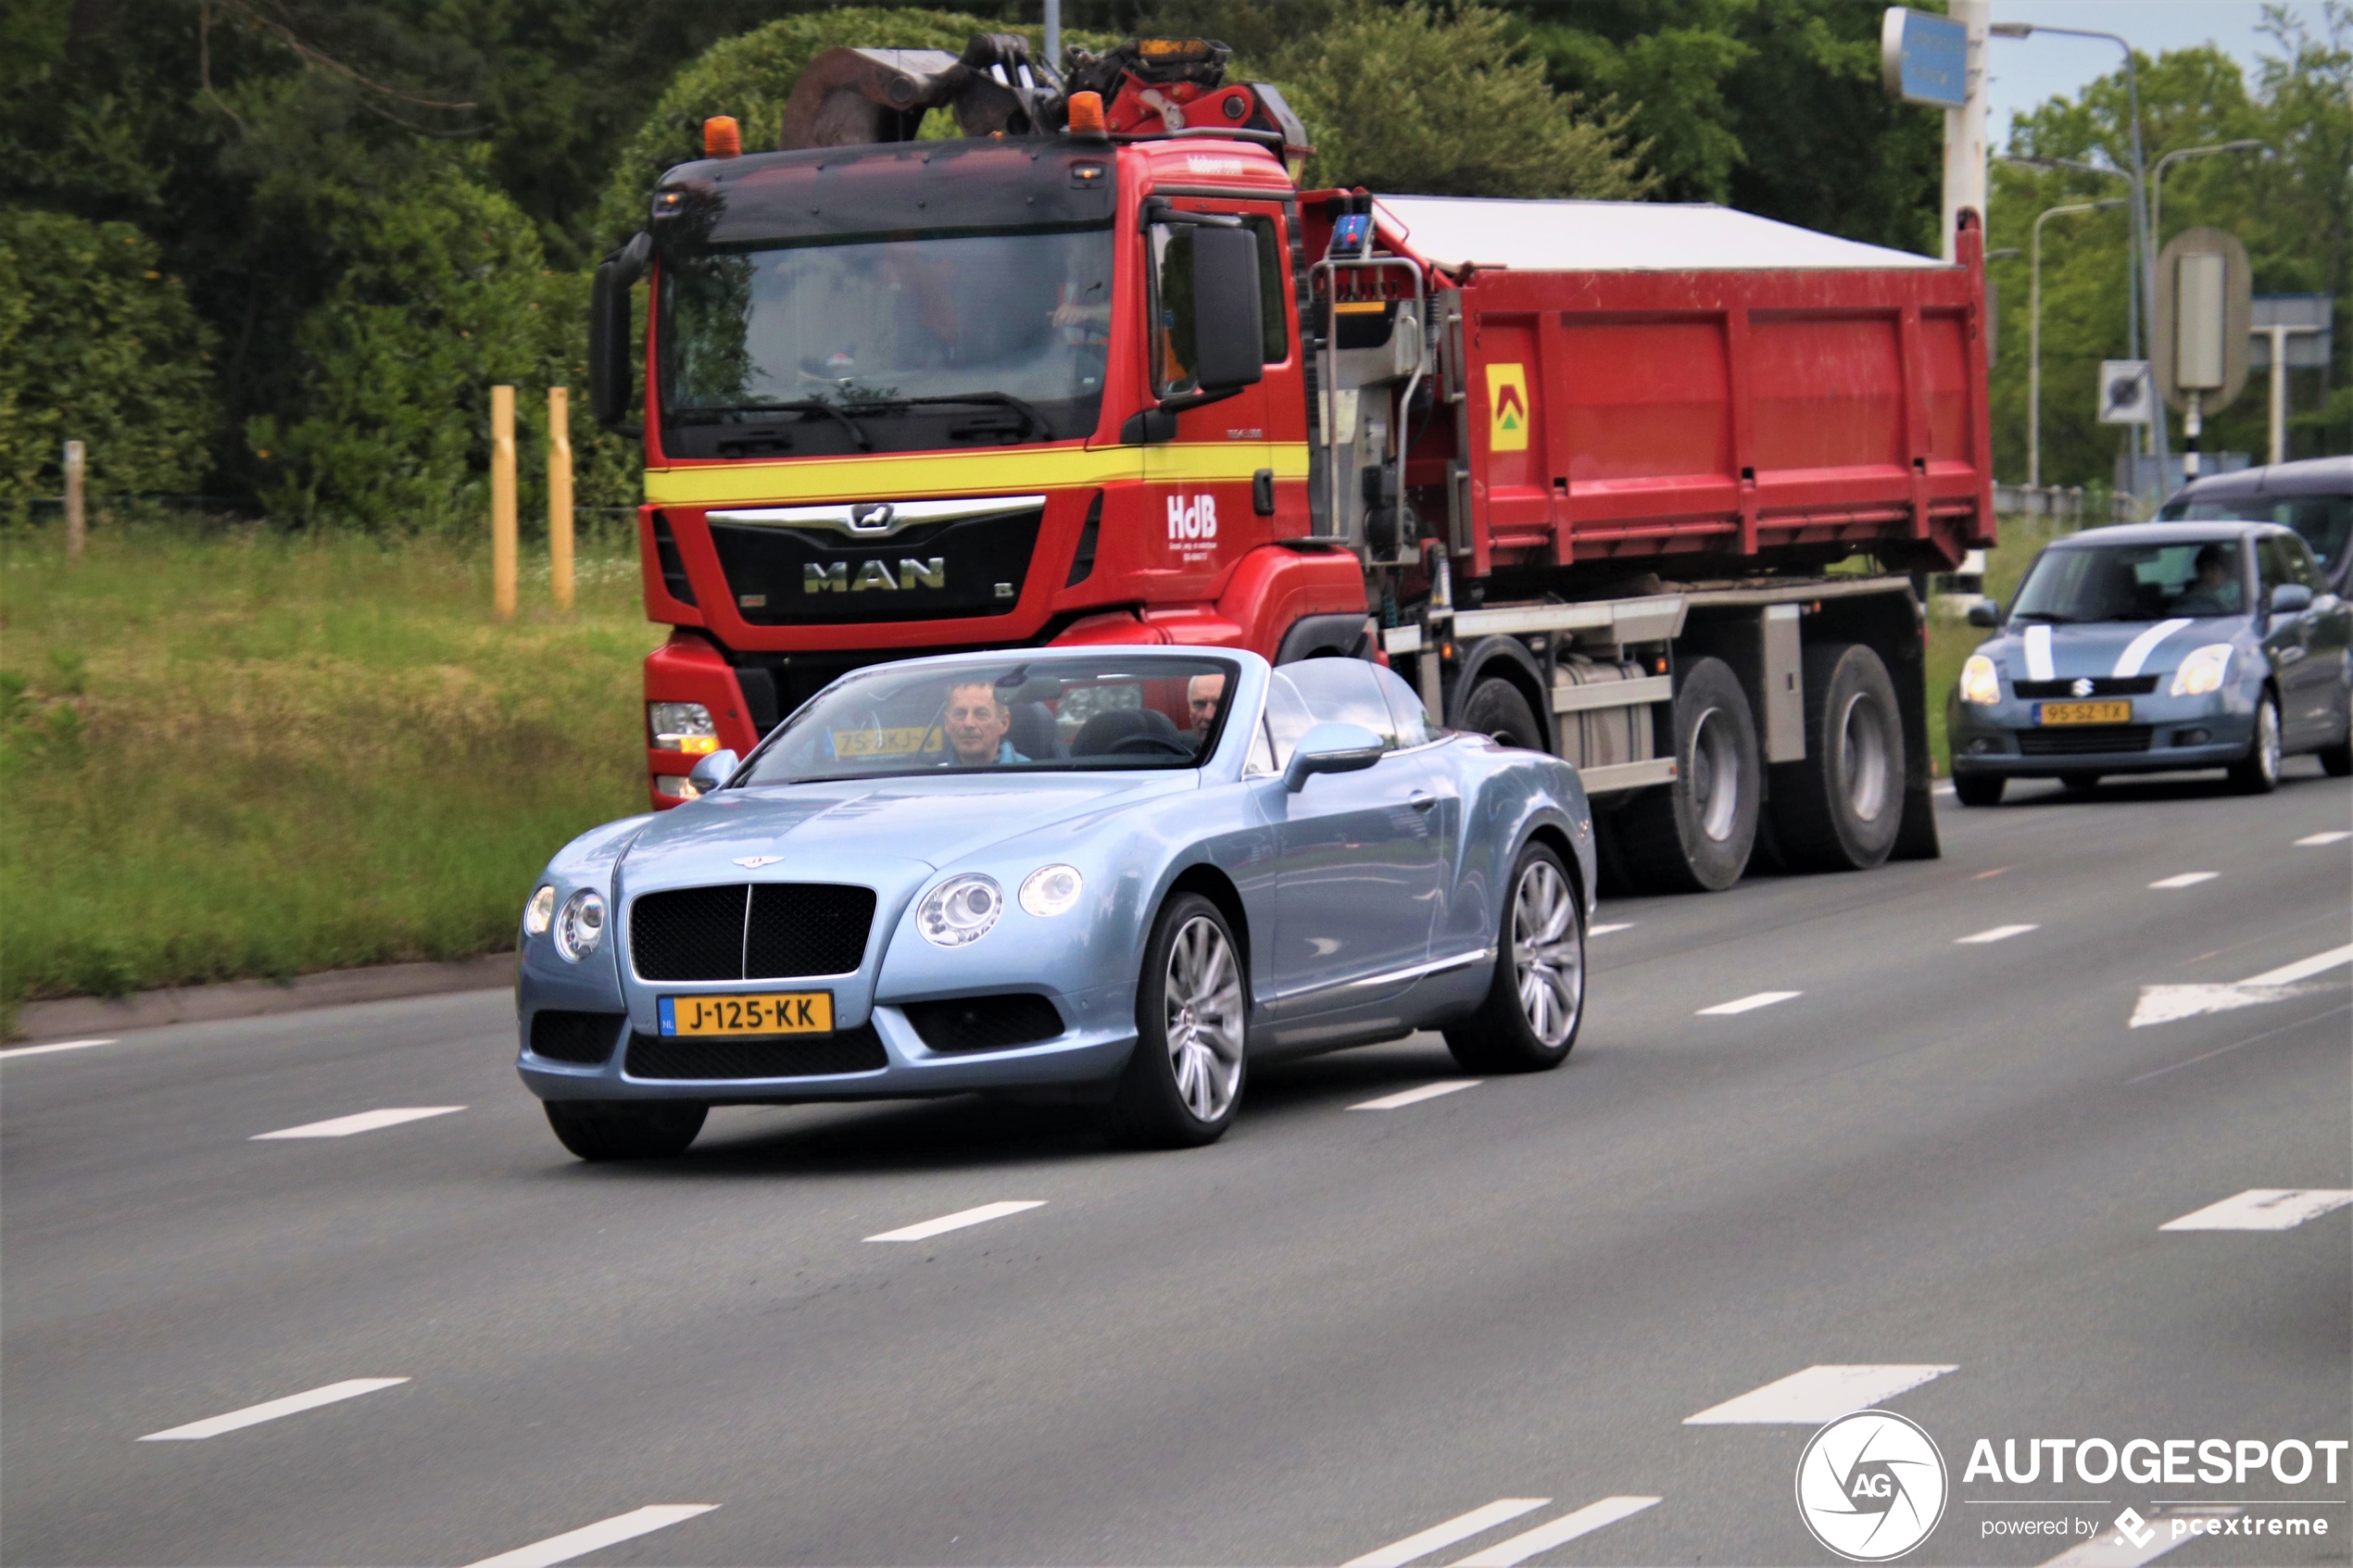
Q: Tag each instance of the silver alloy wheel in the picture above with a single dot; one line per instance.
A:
(1203, 994)
(1864, 745)
(1715, 774)
(1548, 957)
(2266, 740)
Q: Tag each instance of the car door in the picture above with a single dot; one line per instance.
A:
(1358, 860)
(2304, 711)
(2327, 664)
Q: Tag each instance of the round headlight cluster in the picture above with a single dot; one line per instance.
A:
(1051, 890)
(538, 914)
(960, 911)
(1981, 686)
(581, 926)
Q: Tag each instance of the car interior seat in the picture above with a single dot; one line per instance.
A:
(1102, 734)
(1032, 733)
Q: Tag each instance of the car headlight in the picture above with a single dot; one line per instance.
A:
(1981, 683)
(2203, 671)
(1051, 890)
(581, 926)
(540, 913)
(960, 911)
(682, 726)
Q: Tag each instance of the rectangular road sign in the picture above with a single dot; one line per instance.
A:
(1924, 58)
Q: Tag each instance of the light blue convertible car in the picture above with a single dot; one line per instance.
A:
(1113, 875)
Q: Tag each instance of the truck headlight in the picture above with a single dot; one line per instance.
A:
(2203, 671)
(1981, 683)
(681, 726)
(960, 911)
(1052, 890)
(581, 926)
(540, 913)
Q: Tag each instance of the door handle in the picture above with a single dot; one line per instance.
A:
(1421, 800)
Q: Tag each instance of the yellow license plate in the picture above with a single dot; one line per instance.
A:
(787, 1012)
(2084, 713)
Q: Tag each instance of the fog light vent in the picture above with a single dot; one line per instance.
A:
(2190, 737)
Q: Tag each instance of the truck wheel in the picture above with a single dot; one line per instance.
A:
(1978, 789)
(1839, 809)
(1498, 710)
(1694, 834)
(617, 1130)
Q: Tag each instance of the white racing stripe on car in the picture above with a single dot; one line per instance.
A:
(2038, 653)
(2136, 652)
(1461, 1527)
(596, 1537)
(1567, 1527)
(1414, 1096)
(957, 1221)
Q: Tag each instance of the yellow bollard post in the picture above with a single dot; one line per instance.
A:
(502, 501)
(559, 493)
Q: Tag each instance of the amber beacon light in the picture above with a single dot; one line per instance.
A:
(721, 137)
(1087, 114)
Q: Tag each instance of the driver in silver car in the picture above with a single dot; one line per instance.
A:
(976, 722)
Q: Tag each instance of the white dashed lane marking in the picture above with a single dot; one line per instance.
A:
(2313, 840)
(1414, 1096)
(254, 1415)
(60, 1045)
(957, 1221)
(596, 1536)
(2263, 1209)
(1995, 934)
(365, 1121)
(1567, 1527)
(1747, 1004)
(1614, 925)
(1461, 1527)
(2188, 879)
(2164, 1004)
(1816, 1394)
(2113, 1549)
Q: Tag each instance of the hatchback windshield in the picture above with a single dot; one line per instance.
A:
(1114, 712)
(2195, 577)
(2326, 522)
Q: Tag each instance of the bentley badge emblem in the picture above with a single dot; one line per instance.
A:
(753, 863)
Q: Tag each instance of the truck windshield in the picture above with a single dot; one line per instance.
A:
(2197, 577)
(923, 342)
(2326, 522)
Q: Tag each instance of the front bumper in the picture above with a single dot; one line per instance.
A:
(2166, 733)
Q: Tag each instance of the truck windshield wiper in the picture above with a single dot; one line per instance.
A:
(798, 406)
(1033, 422)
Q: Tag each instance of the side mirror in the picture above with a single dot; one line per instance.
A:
(714, 768)
(1331, 748)
(1985, 612)
(612, 380)
(2291, 598)
(1228, 340)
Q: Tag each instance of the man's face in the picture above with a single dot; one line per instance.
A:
(976, 723)
(1202, 692)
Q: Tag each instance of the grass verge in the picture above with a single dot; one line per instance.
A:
(256, 753)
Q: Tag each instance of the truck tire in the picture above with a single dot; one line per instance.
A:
(1500, 709)
(1839, 809)
(1695, 835)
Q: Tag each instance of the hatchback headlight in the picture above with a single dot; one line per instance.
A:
(581, 926)
(540, 913)
(2203, 671)
(1981, 683)
(960, 911)
(1052, 890)
(682, 726)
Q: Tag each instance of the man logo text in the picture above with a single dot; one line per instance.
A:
(836, 579)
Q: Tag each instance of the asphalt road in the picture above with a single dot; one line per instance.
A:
(1334, 1330)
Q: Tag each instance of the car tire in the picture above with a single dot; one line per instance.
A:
(1978, 789)
(2259, 771)
(1536, 1002)
(2336, 761)
(1499, 711)
(1839, 809)
(599, 1130)
(1695, 835)
(1184, 1081)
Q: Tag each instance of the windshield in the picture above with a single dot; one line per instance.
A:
(2197, 577)
(2326, 522)
(1002, 338)
(1119, 711)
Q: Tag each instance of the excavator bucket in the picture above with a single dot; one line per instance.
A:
(848, 97)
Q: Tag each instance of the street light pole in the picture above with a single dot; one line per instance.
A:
(2157, 177)
(2034, 338)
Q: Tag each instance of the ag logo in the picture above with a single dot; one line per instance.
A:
(1507, 407)
(1871, 1485)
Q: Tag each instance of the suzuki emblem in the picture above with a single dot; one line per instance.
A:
(2082, 688)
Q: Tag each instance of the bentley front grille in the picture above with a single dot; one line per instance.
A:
(750, 931)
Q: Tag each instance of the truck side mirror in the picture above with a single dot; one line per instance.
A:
(610, 381)
(1985, 612)
(1228, 337)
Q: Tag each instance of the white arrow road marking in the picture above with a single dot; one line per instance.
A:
(956, 1222)
(1567, 1527)
(2164, 1004)
(2115, 1550)
(2188, 879)
(2264, 1209)
(1816, 1394)
(594, 1538)
(254, 1415)
(1414, 1096)
(2313, 840)
(60, 1045)
(1461, 1527)
(365, 1121)
(1996, 934)
(1747, 1004)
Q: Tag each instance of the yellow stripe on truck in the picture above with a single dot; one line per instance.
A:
(967, 473)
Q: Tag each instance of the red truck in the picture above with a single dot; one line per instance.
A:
(1596, 476)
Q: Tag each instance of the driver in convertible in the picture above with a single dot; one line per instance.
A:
(977, 722)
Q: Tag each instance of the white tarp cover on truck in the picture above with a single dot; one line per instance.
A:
(1586, 236)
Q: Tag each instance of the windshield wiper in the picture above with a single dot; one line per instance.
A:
(798, 406)
(1032, 420)
(2051, 616)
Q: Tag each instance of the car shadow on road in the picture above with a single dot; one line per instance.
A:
(2297, 772)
